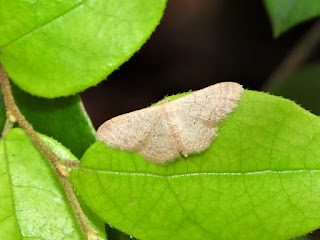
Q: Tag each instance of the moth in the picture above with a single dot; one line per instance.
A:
(183, 126)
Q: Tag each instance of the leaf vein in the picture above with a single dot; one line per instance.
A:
(203, 173)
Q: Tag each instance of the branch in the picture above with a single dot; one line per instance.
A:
(296, 57)
(14, 114)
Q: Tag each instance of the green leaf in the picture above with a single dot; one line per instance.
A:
(260, 179)
(57, 48)
(285, 14)
(64, 119)
(33, 203)
(302, 87)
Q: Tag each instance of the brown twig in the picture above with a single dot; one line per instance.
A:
(14, 114)
(296, 57)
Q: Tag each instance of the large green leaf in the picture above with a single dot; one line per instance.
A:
(285, 14)
(260, 179)
(33, 203)
(56, 48)
(302, 86)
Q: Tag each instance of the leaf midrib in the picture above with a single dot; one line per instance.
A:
(201, 173)
(44, 24)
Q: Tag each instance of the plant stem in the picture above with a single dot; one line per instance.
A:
(296, 57)
(14, 114)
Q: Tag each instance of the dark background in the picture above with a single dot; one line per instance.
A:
(198, 43)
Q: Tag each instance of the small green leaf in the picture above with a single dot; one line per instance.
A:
(57, 48)
(33, 203)
(260, 179)
(285, 14)
(302, 87)
(64, 119)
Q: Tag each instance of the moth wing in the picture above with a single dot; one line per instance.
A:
(128, 131)
(193, 134)
(159, 146)
(212, 104)
(195, 117)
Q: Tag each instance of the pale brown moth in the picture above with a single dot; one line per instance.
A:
(183, 126)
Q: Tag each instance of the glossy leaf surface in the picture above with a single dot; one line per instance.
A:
(58, 48)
